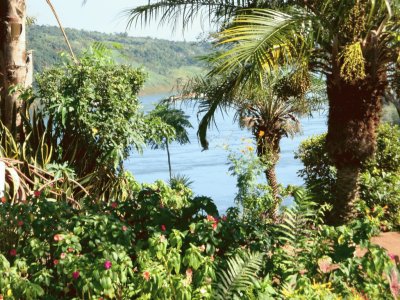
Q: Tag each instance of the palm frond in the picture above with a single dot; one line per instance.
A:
(173, 11)
(261, 39)
(241, 274)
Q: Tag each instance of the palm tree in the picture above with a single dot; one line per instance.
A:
(270, 111)
(355, 44)
(177, 119)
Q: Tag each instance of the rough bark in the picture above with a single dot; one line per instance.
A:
(346, 195)
(268, 149)
(354, 115)
(13, 58)
(272, 180)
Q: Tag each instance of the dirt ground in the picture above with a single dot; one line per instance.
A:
(387, 240)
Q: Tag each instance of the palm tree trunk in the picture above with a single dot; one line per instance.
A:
(270, 174)
(354, 115)
(13, 59)
(268, 150)
(346, 195)
(169, 161)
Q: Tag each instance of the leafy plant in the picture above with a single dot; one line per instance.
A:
(241, 274)
(378, 181)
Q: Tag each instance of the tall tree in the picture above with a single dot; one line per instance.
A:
(355, 44)
(13, 61)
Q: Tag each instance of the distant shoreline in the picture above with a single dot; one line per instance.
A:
(162, 89)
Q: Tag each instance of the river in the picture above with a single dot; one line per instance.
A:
(209, 169)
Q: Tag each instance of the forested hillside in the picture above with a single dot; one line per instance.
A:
(165, 61)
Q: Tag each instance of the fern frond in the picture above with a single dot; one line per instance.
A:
(240, 275)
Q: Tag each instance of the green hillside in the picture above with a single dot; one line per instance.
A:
(165, 61)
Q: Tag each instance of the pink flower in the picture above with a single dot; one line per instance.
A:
(76, 275)
(146, 275)
(214, 225)
(124, 228)
(107, 264)
(114, 205)
(13, 252)
(37, 194)
(3, 200)
(20, 223)
(210, 218)
(63, 255)
(58, 237)
(70, 249)
(394, 283)
(202, 248)
(55, 262)
(392, 256)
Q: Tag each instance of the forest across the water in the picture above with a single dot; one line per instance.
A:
(166, 62)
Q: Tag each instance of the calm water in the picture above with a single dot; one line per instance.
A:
(209, 169)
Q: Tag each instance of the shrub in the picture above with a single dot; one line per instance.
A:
(379, 180)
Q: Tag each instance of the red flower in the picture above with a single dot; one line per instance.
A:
(114, 205)
(37, 194)
(76, 275)
(107, 264)
(20, 223)
(58, 237)
(163, 227)
(124, 228)
(146, 275)
(210, 218)
(70, 249)
(214, 225)
(55, 262)
(13, 252)
(3, 200)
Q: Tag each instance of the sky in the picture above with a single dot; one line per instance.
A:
(107, 16)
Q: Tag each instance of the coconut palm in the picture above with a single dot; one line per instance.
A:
(270, 111)
(355, 44)
(177, 119)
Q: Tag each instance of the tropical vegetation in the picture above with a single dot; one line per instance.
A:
(75, 224)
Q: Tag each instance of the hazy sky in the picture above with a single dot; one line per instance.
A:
(105, 16)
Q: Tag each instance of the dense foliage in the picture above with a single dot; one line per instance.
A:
(379, 180)
(166, 244)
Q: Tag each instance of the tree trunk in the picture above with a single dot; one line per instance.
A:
(13, 59)
(268, 151)
(354, 115)
(169, 161)
(272, 180)
(346, 195)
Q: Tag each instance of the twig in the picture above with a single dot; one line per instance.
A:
(63, 31)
